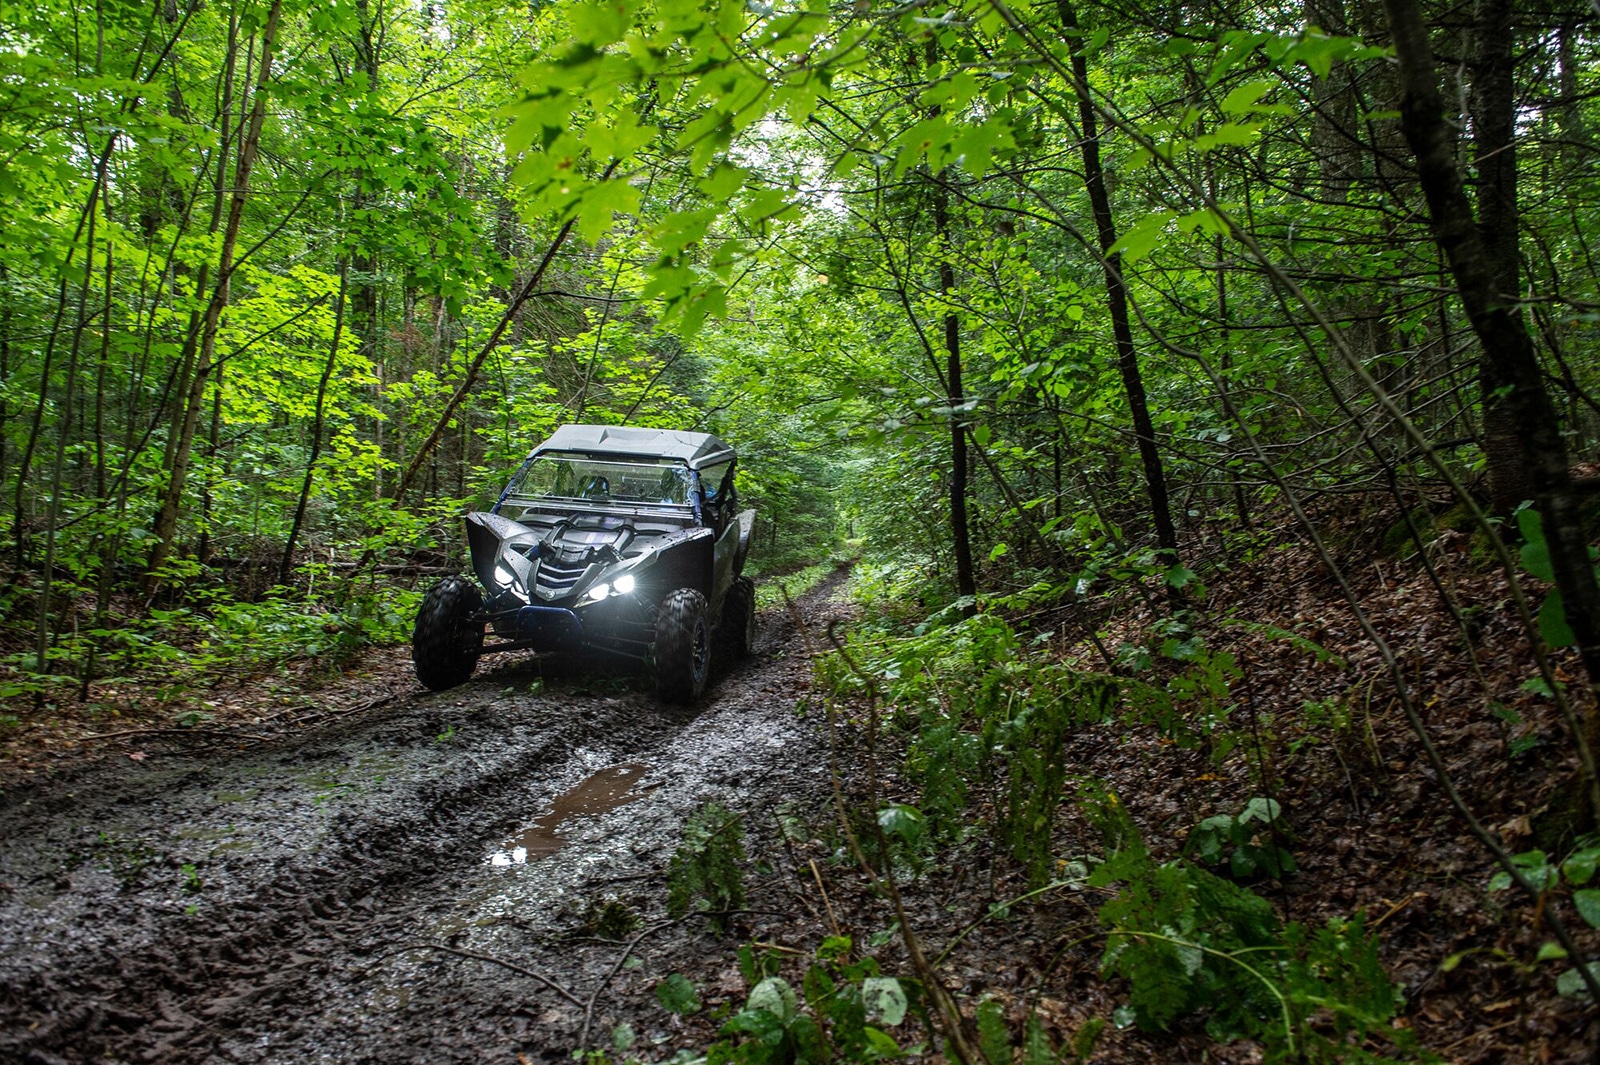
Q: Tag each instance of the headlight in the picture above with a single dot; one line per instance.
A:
(599, 592)
(504, 577)
(624, 584)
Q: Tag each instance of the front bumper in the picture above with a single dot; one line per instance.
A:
(619, 626)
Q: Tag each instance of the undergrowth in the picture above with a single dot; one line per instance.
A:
(985, 726)
(167, 652)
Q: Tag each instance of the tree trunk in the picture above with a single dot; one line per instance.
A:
(287, 563)
(1494, 148)
(956, 400)
(1117, 301)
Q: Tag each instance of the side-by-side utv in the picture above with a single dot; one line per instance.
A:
(615, 542)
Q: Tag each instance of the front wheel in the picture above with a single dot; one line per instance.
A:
(683, 646)
(737, 633)
(444, 644)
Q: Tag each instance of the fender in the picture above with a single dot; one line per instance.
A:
(746, 520)
(684, 561)
(486, 534)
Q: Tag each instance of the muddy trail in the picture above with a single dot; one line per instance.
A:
(319, 898)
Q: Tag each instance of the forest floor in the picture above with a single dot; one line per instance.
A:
(335, 876)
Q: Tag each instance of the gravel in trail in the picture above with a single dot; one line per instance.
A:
(287, 902)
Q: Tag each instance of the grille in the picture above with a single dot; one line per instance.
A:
(556, 577)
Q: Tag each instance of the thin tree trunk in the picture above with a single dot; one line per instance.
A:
(1117, 301)
(956, 400)
(1494, 149)
(58, 463)
(471, 376)
(285, 566)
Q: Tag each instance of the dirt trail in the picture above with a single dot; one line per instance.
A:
(271, 903)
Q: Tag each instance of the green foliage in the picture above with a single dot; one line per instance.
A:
(984, 714)
(847, 1007)
(1535, 556)
(1576, 871)
(705, 873)
(1247, 841)
(678, 995)
(1190, 943)
(994, 1038)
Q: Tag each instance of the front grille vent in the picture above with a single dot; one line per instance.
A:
(557, 577)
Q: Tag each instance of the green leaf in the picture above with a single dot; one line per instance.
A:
(994, 1039)
(1571, 981)
(767, 204)
(1553, 625)
(1261, 809)
(598, 24)
(1242, 100)
(898, 819)
(677, 995)
(1142, 239)
(1537, 686)
(1580, 866)
(1551, 952)
(723, 182)
(884, 999)
(776, 997)
(600, 206)
(880, 1044)
(1535, 552)
(1587, 900)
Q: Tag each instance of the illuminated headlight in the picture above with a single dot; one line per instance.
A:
(504, 577)
(624, 584)
(599, 592)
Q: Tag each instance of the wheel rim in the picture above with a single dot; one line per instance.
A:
(699, 655)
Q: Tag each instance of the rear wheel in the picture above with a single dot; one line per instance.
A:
(444, 644)
(737, 634)
(683, 646)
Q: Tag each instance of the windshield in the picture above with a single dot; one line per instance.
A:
(565, 477)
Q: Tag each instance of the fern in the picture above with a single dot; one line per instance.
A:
(705, 870)
(1190, 943)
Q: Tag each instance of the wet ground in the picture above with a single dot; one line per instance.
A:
(450, 876)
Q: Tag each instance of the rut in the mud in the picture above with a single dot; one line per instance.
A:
(317, 900)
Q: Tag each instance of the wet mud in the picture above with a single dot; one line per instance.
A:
(449, 877)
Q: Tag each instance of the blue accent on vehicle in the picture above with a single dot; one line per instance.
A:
(507, 490)
(552, 626)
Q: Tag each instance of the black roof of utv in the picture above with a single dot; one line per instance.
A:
(696, 449)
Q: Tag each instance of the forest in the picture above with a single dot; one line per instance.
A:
(1192, 410)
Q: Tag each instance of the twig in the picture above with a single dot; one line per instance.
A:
(827, 905)
(492, 960)
(1396, 908)
(627, 952)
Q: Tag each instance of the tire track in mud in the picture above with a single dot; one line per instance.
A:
(265, 905)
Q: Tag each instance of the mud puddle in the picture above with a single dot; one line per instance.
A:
(600, 793)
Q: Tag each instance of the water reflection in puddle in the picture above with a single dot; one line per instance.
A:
(605, 790)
